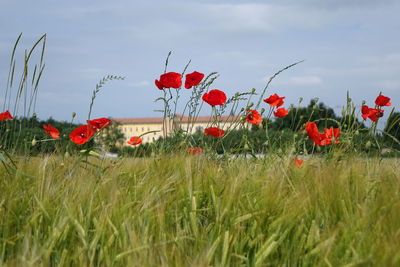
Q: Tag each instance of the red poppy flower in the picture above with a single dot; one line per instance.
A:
(312, 131)
(135, 140)
(254, 117)
(281, 112)
(214, 131)
(51, 131)
(274, 100)
(82, 134)
(382, 101)
(195, 150)
(372, 113)
(159, 85)
(99, 123)
(215, 97)
(322, 139)
(6, 115)
(193, 79)
(328, 135)
(169, 80)
(298, 162)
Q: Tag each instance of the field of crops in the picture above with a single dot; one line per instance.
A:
(198, 211)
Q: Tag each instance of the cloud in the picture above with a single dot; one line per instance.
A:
(343, 3)
(322, 4)
(177, 20)
(239, 17)
(258, 17)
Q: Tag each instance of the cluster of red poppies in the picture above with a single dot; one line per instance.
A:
(174, 80)
(80, 135)
(213, 97)
(275, 101)
(375, 113)
(216, 98)
(322, 139)
(84, 133)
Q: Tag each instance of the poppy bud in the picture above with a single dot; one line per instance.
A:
(300, 100)
(253, 90)
(34, 115)
(368, 145)
(262, 111)
(363, 102)
(34, 142)
(246, 146)
(73, 114)
(66, 154)
(251, 104)
(357, 133)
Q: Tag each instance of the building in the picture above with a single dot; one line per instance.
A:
(153, 128)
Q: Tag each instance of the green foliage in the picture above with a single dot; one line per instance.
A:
(392, 130)
(111, 138)
(27, 137)
(298, 116)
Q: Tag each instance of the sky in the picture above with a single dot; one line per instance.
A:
(347, 45)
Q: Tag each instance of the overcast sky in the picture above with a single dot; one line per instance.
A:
(349, 45)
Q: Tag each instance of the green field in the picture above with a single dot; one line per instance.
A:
(198, 211)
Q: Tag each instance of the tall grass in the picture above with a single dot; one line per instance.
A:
(21, 91)
(179, 211)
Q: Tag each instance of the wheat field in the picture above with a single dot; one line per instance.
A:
(199, 211)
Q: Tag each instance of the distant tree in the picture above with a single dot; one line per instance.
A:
(298, 116)
(393, 128)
